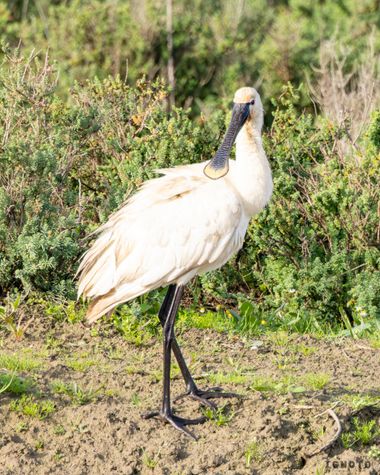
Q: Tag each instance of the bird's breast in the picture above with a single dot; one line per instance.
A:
(253, 184)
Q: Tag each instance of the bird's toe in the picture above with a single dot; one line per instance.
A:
(204, 396)
(179, 423)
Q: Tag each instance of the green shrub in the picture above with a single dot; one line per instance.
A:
(314, 251)
(218, 45)
(11, 383)
(310, 257)
(65, 166)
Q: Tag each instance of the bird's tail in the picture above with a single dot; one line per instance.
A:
(100, 306)
(106, 303)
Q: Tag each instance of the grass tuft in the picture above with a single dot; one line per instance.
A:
(28, 406)
(363, 433)
(359, 401)
(219, 321)
(78, 395)
(316, 381)
(220, 416)
(235, 377)
(14, 384)
(13, 362)
(80, 363)
(374, 452)
(287, 384)
(253, 452)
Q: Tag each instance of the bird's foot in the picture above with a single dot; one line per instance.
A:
(204, 396)
(178, 422)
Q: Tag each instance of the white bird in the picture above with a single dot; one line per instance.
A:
(189, 221)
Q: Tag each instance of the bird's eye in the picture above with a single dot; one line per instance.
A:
(252, 102)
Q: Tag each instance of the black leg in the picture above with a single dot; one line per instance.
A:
(171, 306)
(191, 388)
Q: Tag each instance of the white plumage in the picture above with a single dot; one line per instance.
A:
(178, 225)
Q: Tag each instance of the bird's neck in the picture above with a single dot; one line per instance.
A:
(255, 178)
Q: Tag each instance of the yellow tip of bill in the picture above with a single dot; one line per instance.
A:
(215, 173)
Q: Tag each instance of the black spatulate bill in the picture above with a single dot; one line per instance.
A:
(218, 166)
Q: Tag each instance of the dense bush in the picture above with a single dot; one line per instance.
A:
(312, 255)
(218, 45)
(64, 167)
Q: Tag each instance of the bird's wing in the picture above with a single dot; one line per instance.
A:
(173, 227)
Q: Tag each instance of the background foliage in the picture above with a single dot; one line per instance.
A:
(218, 45)
(81, 129)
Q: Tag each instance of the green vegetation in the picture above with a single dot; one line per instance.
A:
(253, 453)
(287, 384)
(316, 381)
(19, 362)
(362, 433)
(29, 406)
(78, 395)
(135, 399)
(375, 340)
(359, 401)
(64, 311)
(22, 426)
(11, 383)
(58, 456)
(263, 384)
(235, 377)
(320, 470)
(138, 323)
(59, 430)
(80, 131)
(150, 461)
(217, 45)
(374, 452)
(13, 320)
(80, 362)
(219, 321)
(220, 416)
(280, 338)
(39, 445)
(318, 433)
(305, 350)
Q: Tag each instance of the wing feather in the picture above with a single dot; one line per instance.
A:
(176, 226)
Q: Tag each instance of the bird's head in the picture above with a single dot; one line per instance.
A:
(249, 98)
(247, 110)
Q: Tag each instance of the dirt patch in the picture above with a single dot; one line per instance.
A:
(96, 426)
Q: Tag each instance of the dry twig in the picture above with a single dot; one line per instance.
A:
(332, 414)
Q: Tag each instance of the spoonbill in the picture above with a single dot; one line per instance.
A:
(189, 221)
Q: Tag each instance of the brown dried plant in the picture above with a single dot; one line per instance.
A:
(347, 93)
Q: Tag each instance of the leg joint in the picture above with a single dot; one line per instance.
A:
(168, 335)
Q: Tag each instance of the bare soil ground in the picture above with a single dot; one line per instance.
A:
(288, 384)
